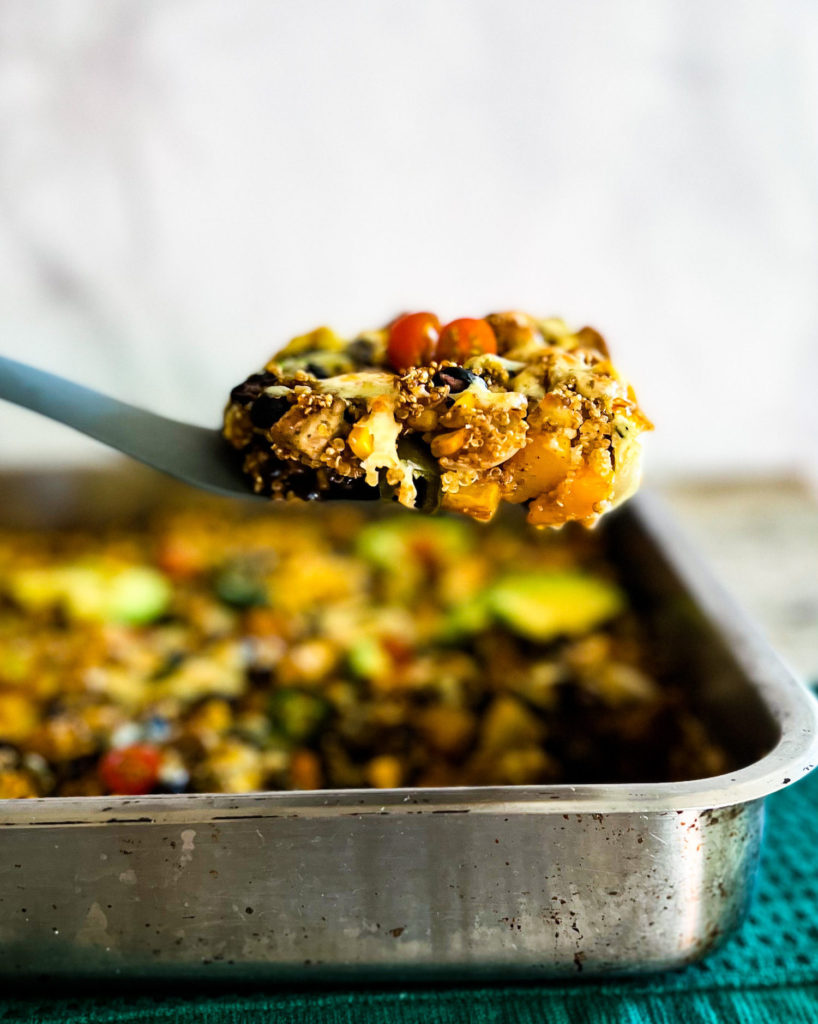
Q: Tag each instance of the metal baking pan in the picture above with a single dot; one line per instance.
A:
(510, 882)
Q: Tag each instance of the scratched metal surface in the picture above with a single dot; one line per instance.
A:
(506, 881)
(385, 894)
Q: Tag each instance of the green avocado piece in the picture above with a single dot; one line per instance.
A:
(425, 471)
(321, 363)
(466, 619)
(296, 714)
(368, 660)
(322, 339)
(544, 605)
(236, 584)
(138, 595)
(390, 543)
(97, 593)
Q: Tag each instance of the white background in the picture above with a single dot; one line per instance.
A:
(183, 185)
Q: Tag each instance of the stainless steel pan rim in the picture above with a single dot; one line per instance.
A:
(744, 786)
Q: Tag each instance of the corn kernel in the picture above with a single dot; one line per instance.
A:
(384, 772)
(361, 442)
(16, 784)
(305, 770)
(448, 444)
(18, 717)
(477, 500)
(423, 421)
(468, 400)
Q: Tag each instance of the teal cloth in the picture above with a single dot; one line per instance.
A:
(767, 972)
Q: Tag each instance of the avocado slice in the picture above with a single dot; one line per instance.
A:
(98, 593)
(137, 595)
(238, 585)
(544, 605)
(391, 543)
(367, 659)
(297, 715)
(320, 363)
(465, 619)
(322, 339)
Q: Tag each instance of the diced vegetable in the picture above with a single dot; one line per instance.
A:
(217, 670)
(322, 339)
(479, 500)
(413, 340)
(545, 605)
(320, 364)
(508, 723)
(130, 594)
(538, 467)
(578, 497)
(525, 766)
(362, 385)
(18, 717)
(137, 594)
(466, 618)
(389, 544)
(538, 605)
(384, 772)
(464, 338)
(514, 330)
(130, 771)
(305, 770)
(368, 660)
(425, 472)
(298, 715)
(447, 729)
(232, 767)
(237, 584)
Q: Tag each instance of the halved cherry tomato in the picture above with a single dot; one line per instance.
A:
(413, 340)
(464, 338)
(130, 771)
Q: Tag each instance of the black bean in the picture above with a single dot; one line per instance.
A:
(317, 370)
(458, 378)
(267, 410)
(276, 473)
(300, 481)
(177, 783)
(250, 389)
(362, 351)
(285, 477)
(351, 489)
(238, 585)
(427, 494)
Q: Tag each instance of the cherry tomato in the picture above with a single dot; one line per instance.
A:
(179, 557)
(130, 771)
(464, 338)
(412, 340)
